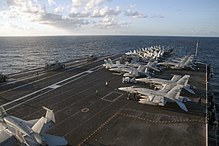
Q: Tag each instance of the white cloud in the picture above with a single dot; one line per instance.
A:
(82, 14)
(76, 13)
(157, 16)
(94, 3)
(51, 2)
(106, 11)
(134, 14)
(78, 3)
(27, 9)
(60, 9)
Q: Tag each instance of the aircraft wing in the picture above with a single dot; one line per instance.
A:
(182, 62)
(174, 92)
(175, 78)
(44, 123)
(184, 80)
(189, 60)
(147, 92)
(153, 100)
(142, 91)
(121, 69)
(167, 87)
(6, 135)
(168, 63)
(152, 65)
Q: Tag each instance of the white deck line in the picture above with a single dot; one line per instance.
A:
(35, 81)
(104, 97)
(52, 85)
(41, 73)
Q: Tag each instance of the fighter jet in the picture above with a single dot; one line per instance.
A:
(30, 133)
(109, 64)
(141, 71)
(185, 62)
(152, 65)
(169, 84)
(158, 97)
(153, 53)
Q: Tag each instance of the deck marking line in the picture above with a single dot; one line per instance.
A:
(53, 85)
(104, 97)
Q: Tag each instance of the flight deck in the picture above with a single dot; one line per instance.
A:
(89, 112)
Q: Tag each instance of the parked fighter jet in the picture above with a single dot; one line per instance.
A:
(169, 84)
(174, 79)
(141, 71)
(152, 65)
(153, 53)
(109, 64)
(185, 62)
(30, 133)
(159, 97)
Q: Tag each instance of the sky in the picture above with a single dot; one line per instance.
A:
(109, 17)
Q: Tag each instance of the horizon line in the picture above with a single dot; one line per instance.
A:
(107, 35)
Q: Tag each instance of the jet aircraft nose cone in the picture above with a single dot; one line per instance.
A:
(122, 88)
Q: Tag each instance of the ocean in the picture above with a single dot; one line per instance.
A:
(22, 53)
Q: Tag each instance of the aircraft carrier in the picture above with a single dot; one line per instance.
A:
(90, 113)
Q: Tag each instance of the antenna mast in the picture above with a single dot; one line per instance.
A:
(196, 50)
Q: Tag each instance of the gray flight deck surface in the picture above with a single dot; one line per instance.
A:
(89, 113)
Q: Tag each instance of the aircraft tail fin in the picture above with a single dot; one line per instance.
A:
(38, 126)
(106, 64)
(49, 115)
(110, 61)
(44, 122)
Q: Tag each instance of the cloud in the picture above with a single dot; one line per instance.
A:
(75, 13)
(33, 11)
(25, 6)
(157, 16)
(78, 3)
(106, 11)
(60, 9)
(81, 14)
(92, 8)
(51, 2)
(134, 14)
(94, 3)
